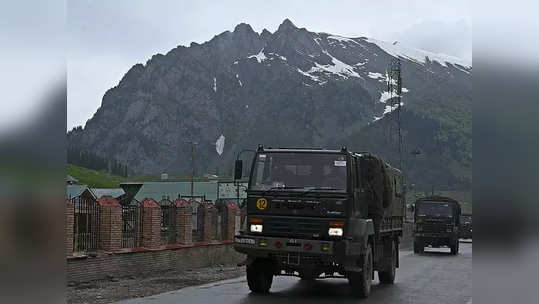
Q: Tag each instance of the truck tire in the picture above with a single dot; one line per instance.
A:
(388, 276)
(418, 246)
(259, 276)
(361, 282)
(455, 248)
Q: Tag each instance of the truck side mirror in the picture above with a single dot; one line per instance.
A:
(238, 169)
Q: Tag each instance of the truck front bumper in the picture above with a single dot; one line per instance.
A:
(262, 246)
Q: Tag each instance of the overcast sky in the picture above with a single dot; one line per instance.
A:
(106, 38)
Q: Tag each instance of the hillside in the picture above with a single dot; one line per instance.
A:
(95, 179)
(292, 87)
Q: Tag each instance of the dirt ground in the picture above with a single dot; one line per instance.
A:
(116, 289)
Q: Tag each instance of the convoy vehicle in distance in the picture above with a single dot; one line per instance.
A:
(317, 213)
(436, 223)
(465, 229)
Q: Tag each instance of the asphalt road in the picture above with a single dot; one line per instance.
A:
(432, 277)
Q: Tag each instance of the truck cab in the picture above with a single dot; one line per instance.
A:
(436, 223)
(310, 213)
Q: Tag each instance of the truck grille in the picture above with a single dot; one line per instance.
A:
(435, 227)
(294, 227)
(294, 259)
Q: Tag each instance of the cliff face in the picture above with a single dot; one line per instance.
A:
(288, 88)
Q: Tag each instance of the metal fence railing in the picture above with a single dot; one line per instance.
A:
(168, 221)
(86, 224)
(131, 224)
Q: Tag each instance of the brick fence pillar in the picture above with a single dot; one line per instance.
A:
(184, 223)
(151, 223)
(70, 221)
(207, 221)
(218, 214)
(110, 224)
(230, 222)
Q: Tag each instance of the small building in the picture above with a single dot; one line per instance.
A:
(79, 191)
(117, 193)
(172, 190)
(228, 191)
(70, 180)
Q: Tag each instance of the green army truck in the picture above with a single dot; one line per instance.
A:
(316, 213)
(437, 220)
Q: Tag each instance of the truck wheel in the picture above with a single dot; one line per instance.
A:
(388, 277)
(259, 276)
(361, 281)
(307, 275)
(455, 248)
(418, 246)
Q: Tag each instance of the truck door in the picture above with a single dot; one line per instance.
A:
(357, 188)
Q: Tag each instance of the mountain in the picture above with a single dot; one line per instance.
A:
(292, 88)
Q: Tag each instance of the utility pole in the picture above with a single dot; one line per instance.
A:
(192, 167)
(394, 86)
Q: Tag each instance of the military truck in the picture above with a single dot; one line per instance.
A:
(465, 230)
(316, 213)
(437, 220)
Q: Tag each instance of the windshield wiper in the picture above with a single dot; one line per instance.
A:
(318, 188)
(279, 188)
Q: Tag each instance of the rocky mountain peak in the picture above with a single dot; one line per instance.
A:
(243, 28)
(255, 88)
(286, 25)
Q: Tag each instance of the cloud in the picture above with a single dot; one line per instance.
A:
(451, 38)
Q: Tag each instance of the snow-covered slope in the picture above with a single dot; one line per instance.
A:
(417, 55)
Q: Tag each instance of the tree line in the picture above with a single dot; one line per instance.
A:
(93, 161)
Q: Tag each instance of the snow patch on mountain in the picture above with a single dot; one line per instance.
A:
(214, 84)
(342, 39)
(313, 77)
(338, 68)
(239, 80)
(419, 56)
(385, 96)
(375, 75)
(260, 56)
(277, 56)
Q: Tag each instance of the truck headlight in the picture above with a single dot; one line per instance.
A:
(256, 228)
(335, 231)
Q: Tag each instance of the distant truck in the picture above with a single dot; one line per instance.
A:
(436, 223)
(316, 213)
(465, 229)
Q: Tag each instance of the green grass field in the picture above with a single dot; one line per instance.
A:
(95, 179)
(102, 179)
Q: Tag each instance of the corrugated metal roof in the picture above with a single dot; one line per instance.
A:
(73, 191)
(114, 192)
(156, 190)
(71, 179)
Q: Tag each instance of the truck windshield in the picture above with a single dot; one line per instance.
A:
(438, 209)
(299, 171)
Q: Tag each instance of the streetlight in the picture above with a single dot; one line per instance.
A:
(193, 143)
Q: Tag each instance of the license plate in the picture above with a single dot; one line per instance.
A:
(244, 241)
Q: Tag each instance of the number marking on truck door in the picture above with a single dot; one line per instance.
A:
(261, 203)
